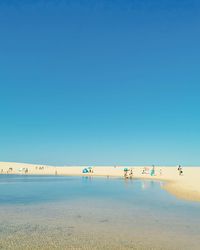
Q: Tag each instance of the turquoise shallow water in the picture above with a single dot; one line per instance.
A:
(52, 212)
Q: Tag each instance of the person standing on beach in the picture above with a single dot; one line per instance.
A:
(153, 171)
(180, 170)
(131, 173)
(125, 173)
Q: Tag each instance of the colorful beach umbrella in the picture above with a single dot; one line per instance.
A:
(85, 170)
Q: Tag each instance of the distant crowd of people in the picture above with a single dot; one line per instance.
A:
(11, 171)
(128, 173)
(8, 171)
(147, 170)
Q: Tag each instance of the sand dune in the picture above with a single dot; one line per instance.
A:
(186, 186)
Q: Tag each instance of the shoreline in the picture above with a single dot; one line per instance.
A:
(186, 187)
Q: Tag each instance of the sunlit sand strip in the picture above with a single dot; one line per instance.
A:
(186, 186)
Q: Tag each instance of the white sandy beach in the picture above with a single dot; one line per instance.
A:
(186, 186)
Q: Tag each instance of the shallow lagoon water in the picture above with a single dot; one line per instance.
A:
(53, 212)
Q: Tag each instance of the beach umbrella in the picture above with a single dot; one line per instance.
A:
(85, 170)
(125, 169)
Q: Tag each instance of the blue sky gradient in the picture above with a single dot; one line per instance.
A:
(100, 82)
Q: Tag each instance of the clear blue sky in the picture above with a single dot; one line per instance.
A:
(100, 82)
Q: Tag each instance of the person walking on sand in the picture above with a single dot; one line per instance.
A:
(131, 173)
(180, 170)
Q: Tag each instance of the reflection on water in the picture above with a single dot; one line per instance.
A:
(94, 213)
(87, 178)
(150, 184)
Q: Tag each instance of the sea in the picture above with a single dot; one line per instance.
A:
(63, 212)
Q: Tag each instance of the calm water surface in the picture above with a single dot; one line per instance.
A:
(52, 212)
